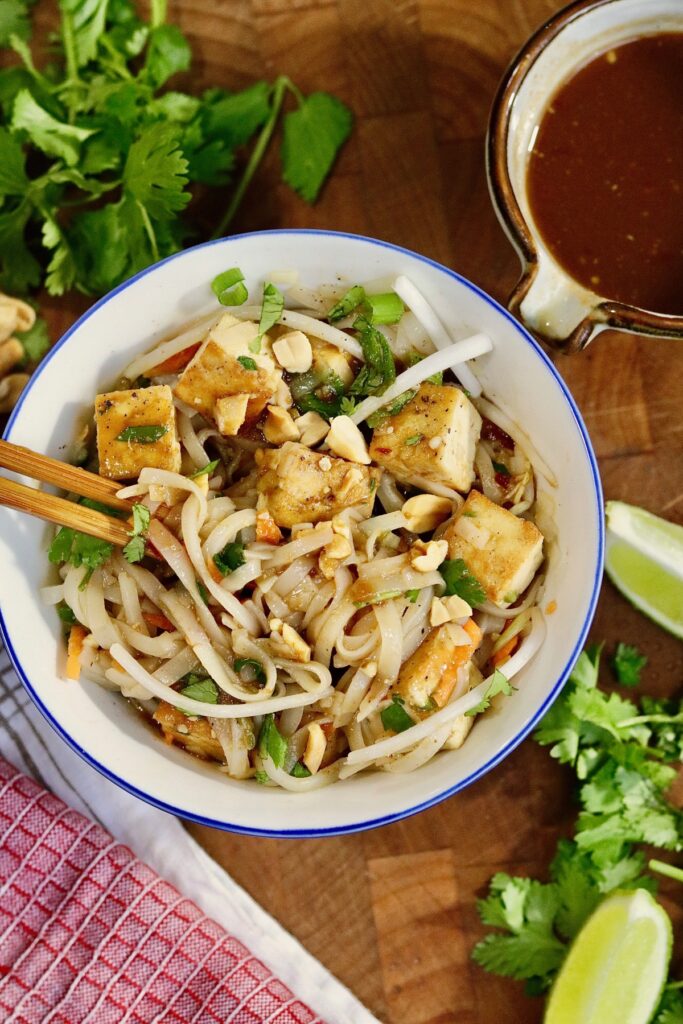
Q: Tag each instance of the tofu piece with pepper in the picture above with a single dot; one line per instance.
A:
(298, 485)
(433, 436)
(195, 735)
(502, 550)
(128, 423)
(225, 366)
(429, 676)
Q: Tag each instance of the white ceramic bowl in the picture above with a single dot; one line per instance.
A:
(101, 727)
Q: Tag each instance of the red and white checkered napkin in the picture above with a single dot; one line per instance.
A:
(89, 933)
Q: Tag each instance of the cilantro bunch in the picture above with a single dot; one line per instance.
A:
(96, 156)
(624, 757)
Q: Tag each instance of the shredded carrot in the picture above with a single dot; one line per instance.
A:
(267, 529)
(158, 620)
(74, 650)
(504, 653)
(174, 363)
(214, 571)
(461, 655)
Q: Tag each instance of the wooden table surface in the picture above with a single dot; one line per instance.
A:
(392, 912)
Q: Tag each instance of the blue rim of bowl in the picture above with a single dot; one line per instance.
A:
(500, 755)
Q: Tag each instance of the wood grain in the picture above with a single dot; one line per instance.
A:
(392, 912)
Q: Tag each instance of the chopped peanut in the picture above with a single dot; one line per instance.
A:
(315, 748)
(230, 413)
(425, 512)
(438, 613)
(293, 352)
(429, 556)
(313, 428)
(345, 439)
(279, 426)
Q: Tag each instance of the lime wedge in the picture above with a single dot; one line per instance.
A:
(644, 560)
(617, 966)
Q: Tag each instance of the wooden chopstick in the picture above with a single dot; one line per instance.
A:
(61, 474)
(63, 512)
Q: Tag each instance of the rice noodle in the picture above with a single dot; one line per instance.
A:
(430, 320)
(428, 726)
(496, 415)
(300, 322)
(456, 353)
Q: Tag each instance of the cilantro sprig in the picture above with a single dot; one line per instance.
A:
(459, 580)
(628, 663)
(98, 158)
(624, 756)
(79, 549)
(134, 550)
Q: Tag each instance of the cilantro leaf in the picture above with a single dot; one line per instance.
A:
(628, 663)
(230, 558)
(498, 684)
(56, 138)
(204, 690)
(271, 743)
(79, 549)
(155, 173)
(459, 580)
(168, 53)
(83, 22)
(61, 270)
(13, 177)
(134, 551)
(313, 135)
(670, 1009)
(20, 269)
(300, 771)
(14, 20)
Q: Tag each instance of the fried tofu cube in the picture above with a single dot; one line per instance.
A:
(428, 677)
(119, 411)
(224, 366)
(195, 735)
(502, 550)
(298, 485)
(433, 436)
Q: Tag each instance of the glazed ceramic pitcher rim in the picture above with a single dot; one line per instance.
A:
(525, 236)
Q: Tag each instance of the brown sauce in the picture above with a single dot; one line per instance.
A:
(605, 176)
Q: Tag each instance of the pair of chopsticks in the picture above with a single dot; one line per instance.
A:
(58, 510)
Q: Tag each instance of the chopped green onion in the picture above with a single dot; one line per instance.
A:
(381, 595)
(412, 595)
(415, 439)
(142, 435)
(205, 470)
(229, 287)
(247, 362)
(271, 742)
(203, 592)
(347, 303)
(230, 558)
(395, 717)
(386, 308)
(255, 669)
(204, 690)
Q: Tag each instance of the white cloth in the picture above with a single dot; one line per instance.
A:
(28, 742)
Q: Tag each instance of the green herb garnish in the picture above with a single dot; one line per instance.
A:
(142, 435)
(498, 684)
(204, 690)
(395, 717)
(628, 663)
(379, 371)
(625, 756)
(385, 308)
(415, 439)
(459, 580)
(230, 558)
(346, 305)
(79, 549)
(99, 506)
(206, 470)
(262, 778)
(97, 161)
(271, 742)
(247, 362)
(377, 598)
(500, 468)
(202, 591)
(255, 669)
(300, 771)
(134, 550)
(66, 614)
(412, 595)
(229, 287)
(271, 311)
(413, 358)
